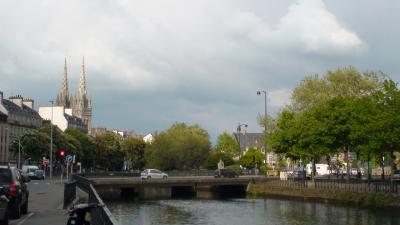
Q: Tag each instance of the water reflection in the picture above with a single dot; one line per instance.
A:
(247, 211)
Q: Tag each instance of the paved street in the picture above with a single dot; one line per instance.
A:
(45, 205)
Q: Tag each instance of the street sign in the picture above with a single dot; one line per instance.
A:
(69, 158)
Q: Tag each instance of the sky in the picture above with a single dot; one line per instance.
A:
(152, 63)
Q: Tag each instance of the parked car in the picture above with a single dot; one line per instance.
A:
(225, 173)
(17, 191)
(39, 174)
(396, 175)
(29, 170)
(153, 173)
(3, 206)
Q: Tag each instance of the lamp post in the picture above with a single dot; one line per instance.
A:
(51, 141)
(265, 125)
(239, 129)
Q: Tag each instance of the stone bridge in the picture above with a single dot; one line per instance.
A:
(196, 186)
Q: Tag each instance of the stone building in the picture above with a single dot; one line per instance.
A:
(81, 102)
(17, 117)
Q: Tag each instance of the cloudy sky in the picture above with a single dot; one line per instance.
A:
(152, 63)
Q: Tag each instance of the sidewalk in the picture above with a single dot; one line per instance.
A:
(45, 204)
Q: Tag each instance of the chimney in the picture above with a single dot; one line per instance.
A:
(28, 102)
(17, 100)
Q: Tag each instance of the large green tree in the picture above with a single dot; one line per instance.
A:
(34, 145)
(134, 151)
(108, 151)
(251, 158)
(227, 144)
(316, 90)
(86, 151)
(179, 147)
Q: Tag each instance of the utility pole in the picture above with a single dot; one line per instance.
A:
(239, 129)
(265, 125)
(51, 141)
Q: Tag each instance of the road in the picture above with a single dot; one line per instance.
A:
(45, 204)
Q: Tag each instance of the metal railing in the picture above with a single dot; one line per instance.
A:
(101, 215)
(359, 186)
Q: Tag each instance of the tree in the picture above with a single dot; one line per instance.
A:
(35, 145)
(227, 144)
(214, 157)
(179, 147)
(316, 91)
(86, 150)
(109, 154)
(251, 158)
(134, 150)
(269, 125)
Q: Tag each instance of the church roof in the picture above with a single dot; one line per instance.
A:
(248, 140)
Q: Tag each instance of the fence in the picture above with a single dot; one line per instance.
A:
(101, 215)
(342, 185)
(69, 193)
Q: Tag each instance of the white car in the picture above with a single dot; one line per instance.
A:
(153, 173)
(29, 170)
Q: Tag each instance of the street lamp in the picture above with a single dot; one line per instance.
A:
(51, 141)
(265, 125)
(239, 129)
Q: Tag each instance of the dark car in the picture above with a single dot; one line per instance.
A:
(3, 206)
(225, 173)
(17, 191)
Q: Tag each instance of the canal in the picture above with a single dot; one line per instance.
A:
(247, 211)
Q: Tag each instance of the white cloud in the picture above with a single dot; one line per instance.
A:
(309, 22)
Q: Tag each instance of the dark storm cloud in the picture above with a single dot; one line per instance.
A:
(152, 63)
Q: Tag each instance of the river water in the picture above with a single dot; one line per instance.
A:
(247, 211)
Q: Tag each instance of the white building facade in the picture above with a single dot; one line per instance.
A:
(62, 118)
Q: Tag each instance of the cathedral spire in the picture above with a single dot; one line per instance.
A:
(63, 98)
(82, 80)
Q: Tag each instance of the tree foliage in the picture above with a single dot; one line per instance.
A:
(345, 110)
(179, 147)
(251, 158)
(316, 91)
(214, 157)
(109, 154)
(133, 148)
(227, 144)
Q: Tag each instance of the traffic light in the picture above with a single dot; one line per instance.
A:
(62, 153)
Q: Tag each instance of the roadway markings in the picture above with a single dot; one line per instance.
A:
(27, 217)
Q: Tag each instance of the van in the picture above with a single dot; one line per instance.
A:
(321, 169)
(29, 170)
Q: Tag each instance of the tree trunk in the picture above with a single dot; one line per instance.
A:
(314, 169)
(392, 164)
(369, 169)
(348, 163)
(383, 168)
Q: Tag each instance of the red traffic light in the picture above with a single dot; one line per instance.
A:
(62, 153)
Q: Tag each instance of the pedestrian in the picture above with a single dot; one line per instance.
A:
(220, 166)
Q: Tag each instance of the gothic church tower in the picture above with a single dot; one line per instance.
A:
(82, 102)
(64, 98)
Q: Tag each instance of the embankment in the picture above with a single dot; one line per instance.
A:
(369, 199)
